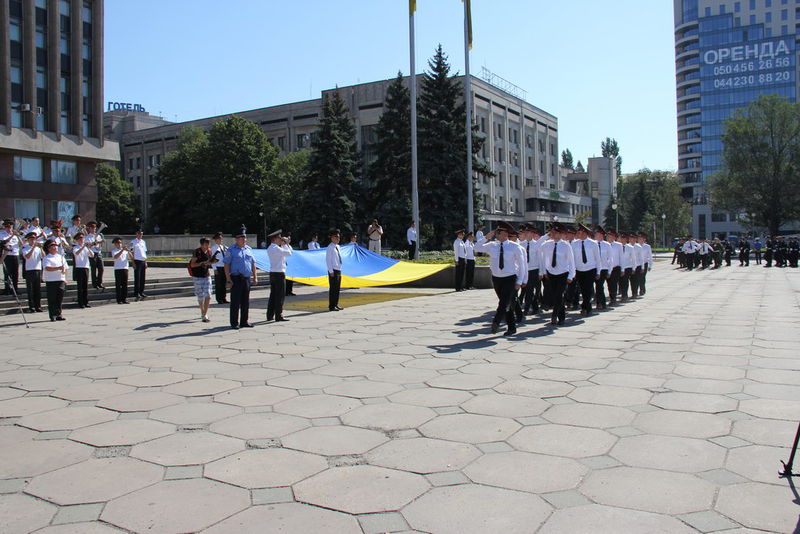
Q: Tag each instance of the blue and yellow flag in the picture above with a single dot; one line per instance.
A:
(360, 267)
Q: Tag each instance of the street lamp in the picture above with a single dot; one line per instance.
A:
(616, 214)
(753, 225)
(664, 229)
(264, 219)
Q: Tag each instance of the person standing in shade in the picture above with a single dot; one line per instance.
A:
(411, 239)
(240, 270)
(200, 265)
(507, 264)
(604, 268)
(460, 255)
(95, 242)
(313, 244)
(757, 246)
(615, 266)
(121, 257)
(32, 254)
(11, 258)
(278, 251)
(586, 254)
(375, 234)
(333, 260)
(469, 246)
(218, 251)
(647, 262)
(54, 267)
(558, 267)
(81, 256)
(139, 250)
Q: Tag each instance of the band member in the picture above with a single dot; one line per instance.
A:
(74, 229)
(586, 254)
(95, 242)
(647, 262)
(55, 276)
(333, 260)
(57, 236)
(240, 269)
(469, 246)
(139, 250)
(33, 253)
(12, 244)
(375, 233)
(558, 266)
(36, 229)
(507, 264)
(287, 236)
(615, 265)
(218, 251)
(460, 255)
(757, 246)
(200, 265)
(121, 257)
(604, 269)
(411, 239)
(278, 251)
(80, 273)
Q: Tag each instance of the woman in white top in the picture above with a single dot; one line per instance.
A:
(81, 254)
(121, 257)
(55, 277)
(32, 260)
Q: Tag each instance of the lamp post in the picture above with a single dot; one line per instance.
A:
(264, 219)
(616, 215)
(664, 229)
(753, 225)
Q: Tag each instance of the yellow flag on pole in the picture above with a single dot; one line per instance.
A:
(412, 6)
(469, 22)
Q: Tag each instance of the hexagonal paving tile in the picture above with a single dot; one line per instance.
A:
(187, 448)
(287, 518)
(317, 406)
(334, 440)
(473, 509)
(593, 518)
(765, 431)
(195, 413)
(402, 375)
(67, 418)
(611, 395)
(151, 379)
(363, 389)
(669, 453)
(756, 462)
(94, 391)
(431, 397)
(505, 405)
(464, 382)
(590, 415)
(22, 406)
(470, 428)
(255, 396)
(534, 388)
(199, 387)
(694, 402)
(122, 432)
(563, 440)
(649, 490)
(423, 455)
(388, 416)
(766, 408)
(304, 381)
(264, 425)
(20, 514)
(759, 506)
(15, 435)
(265, 468)
(95, 527)
(176, 506)
(95, 480)
(524, 471)
(37, 457)
(140, 401)
(49, 383)
(361, 489)
(682, 424)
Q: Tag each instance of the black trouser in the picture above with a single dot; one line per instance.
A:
(11, 267)
(335, 285)
(139, 269)
(289, 287)
(81, 277)
(758, 256)
(219, 285)
(689, 261)
(768, 258)
(532, 292)
(277, 293)
(547, 300)
(33, 281)
(674, 257)
(96, 264)
(599, 289)
(505, 288)
(121, 284)
(461, 266)
(240, 299)
(412, 250)
(613, 283)
(643, 279)
(558, 284)
(470, 274)
(727, 258)
(634, 279)
(703, 261)
(571, 295)
(624, 280)
(55, 297)
(586, 286)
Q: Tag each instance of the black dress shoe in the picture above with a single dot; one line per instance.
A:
(333, 309)
(339, 308)
(247, 325)
(510, 332)
(59, 318)
(87, 306)
(280, 319)
(39, 310)
(270, 317)
(495, 328)
(234, 327)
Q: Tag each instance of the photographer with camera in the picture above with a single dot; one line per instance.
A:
(9, 245)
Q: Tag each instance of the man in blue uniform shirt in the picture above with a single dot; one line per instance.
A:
(240, 269)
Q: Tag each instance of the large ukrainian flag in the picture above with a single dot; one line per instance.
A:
(360, 267)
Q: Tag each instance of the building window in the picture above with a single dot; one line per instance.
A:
(516, 205)
(150, 180)
(138, 182)
(719, 217)
(528, 141)
(66, 127)
(282, 143)
(483, 124)
(27, 169)
(63, 210)
(530, 163)
(768, 17)
(151, 160)
(86, 12)
(499, 131)
(131, 163)
(767, 3)
(27, 208)
(541, 146)
(301, 141)
(63, 172)
(737, 7)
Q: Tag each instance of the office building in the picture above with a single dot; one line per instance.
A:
(727, 53)
(51, 113)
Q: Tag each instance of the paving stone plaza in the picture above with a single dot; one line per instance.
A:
(668, 414)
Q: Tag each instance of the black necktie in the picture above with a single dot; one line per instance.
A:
(583, 250)
(339, 255)
(528, 251)
(502, 263)
(555, 246)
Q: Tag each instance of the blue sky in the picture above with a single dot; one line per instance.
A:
(601, 71)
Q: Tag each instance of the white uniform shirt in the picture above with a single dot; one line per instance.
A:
(277, 257)
(54, 260)
(40, 237)
(333, 258)
(648, 254)
(120, 262)
(313, 245)
(61, 243)
(219, 250)
(72, 230)
(459, 251)
(565, 259)
(637, 248)
(478, 235)
(94, 241)
(139, 249)
(616, 254)
(689, 247)
(34, 263)
(14, 243)
(469, 246)
(81, 258)
(513, 259)
(593, 260)
(628, 257)
(704, 248)
(606, 255)
(411, 234)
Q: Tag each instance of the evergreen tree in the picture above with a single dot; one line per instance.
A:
(566, 159)
(282, 203)
(115, 200)
(579, 167)
(610, 149)
(330, 189)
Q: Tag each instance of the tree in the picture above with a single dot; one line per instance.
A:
(116, 204)
(761, 163)
(566, 159)
(610, 149)
(579, 167)
(644, 197)
(281, 197)
(330, 188)
(610, 215)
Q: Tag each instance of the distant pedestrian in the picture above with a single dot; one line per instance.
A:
(139, 250)
(201, 265)
(333, 260)
(460, 256)
(240, 270)
(411, 239)
(375, 234)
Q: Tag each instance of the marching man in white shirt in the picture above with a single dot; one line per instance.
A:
(533, 240)
(278, 251)
(558, 266)
(615, 274)
(689, 248)
(460, 255)
(139, 250)
(508, 266)
(628, 266)
(333, 259)
(469, 246)
(637, 269)
(605, 267)
(647, 262)
(81, 255)
(32, 253)
(588, 263)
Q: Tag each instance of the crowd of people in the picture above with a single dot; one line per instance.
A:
(690, 253)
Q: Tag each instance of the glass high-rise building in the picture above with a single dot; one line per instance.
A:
(726, 54)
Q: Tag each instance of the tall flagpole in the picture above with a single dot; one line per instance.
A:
(412, 6)
(468, 105)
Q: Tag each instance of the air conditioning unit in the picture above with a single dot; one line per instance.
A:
(25, 107)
